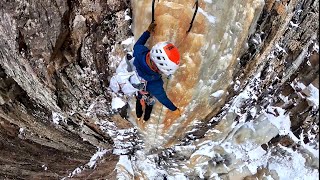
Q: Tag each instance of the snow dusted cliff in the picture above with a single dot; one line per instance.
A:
(247, 86)
(229, 118)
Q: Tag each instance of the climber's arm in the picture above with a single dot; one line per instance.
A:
(155, 88)
(143, 39)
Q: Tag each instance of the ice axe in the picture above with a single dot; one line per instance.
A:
(153, 2)
(194, 14)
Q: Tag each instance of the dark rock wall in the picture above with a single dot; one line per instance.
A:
(54, 58)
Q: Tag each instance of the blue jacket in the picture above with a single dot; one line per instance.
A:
(154, 81)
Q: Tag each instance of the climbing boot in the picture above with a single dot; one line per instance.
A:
(140, 123)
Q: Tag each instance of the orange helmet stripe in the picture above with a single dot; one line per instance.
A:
(172, 53)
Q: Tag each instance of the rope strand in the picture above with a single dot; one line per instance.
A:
(160, 112)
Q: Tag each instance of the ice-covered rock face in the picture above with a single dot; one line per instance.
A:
(249, 72)
(208, 55)
(232, 89)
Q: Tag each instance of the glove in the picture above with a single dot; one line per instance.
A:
(177, 112)
(151, 27)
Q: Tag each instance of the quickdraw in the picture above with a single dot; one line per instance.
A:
(148, 99)
(194, 14)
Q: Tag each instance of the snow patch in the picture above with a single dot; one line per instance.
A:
(280, 49)
(98, 155)
(253, 111)
(44, 167)
(128, 41)
(205, 150)
(78, 170)
(314, 95)
(277, 117)
(127, 17)
(57, 117)
(217, 94)
(293, 24)
(148, 166)
(126, 163)
(313, 150)
(257, 153)
(210, 18)
(117, 103)
(292, 167)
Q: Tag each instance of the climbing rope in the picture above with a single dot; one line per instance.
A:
(153, 2)
(166, 87)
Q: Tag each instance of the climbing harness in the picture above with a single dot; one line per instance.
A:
(146, 97)
(194, 14)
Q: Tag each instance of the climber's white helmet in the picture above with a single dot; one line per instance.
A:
(166, 56)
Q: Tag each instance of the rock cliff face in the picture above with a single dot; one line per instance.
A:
(54, 68)
(245, 65)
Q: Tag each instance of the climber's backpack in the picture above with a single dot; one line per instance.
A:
(126, 80)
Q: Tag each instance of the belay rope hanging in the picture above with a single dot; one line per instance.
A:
(190, 27)
(155, 135)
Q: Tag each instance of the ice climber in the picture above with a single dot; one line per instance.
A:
(164, 58)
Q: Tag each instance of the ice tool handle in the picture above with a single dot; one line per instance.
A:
(194, 14)
(153, 2)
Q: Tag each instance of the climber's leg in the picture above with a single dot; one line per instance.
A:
(147, 113)
(139, 110)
